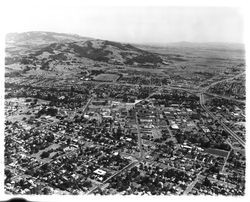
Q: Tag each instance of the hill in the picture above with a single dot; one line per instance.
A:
(18, 44)
(45, 47)
(39, 38)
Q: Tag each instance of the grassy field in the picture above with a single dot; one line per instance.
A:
(107, 77)
(199, 60)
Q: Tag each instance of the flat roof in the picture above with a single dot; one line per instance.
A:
(100, 172)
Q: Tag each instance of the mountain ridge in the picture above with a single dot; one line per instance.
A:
(32, 46)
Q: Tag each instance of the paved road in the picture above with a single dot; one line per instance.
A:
(225, 97)
(223, 80)
(86, 106)
(189, 90)
(149, 85)
(117, 173)
(139, 136)
(223, 168)
(232, 133)
(191, 186)
(171, 134)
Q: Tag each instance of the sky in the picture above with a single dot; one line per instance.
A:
(134, 24)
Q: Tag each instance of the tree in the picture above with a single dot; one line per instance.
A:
(170, 143)
(205, 142)
(52, 111)
(46, 191)
(8, 173)
(45, 154)
(207, 182)
(87, 184)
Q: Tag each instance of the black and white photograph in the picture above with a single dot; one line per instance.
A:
(117, 100)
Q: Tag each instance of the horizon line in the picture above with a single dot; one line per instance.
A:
(139, 43)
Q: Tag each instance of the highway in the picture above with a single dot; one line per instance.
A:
(223, 80)
(189, 90)
(232, 133)
(142, 85)
(225, 97)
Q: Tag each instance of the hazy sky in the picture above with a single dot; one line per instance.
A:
(130, 24)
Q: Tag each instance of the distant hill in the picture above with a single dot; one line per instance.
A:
(33, 47)
(186, 44)
(207, 53)
(38, 38)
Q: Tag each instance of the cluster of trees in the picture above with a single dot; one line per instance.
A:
(45, 154)
(47, 111)
(152, 182)
(90, 52)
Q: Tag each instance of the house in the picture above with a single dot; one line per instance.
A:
(100, 172)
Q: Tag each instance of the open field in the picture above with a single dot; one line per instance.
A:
(107, 77)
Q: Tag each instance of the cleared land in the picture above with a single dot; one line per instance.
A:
(107, 77)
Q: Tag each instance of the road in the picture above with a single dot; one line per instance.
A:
(139, 136)
(192, 91)
(192, 184)
(86, 106)
(189, 188)
(126, 167)
(232, 133)
(225, 97)
(117, 173)
(223, 168)
(171, 134)
(143, 85)
(223, 80)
